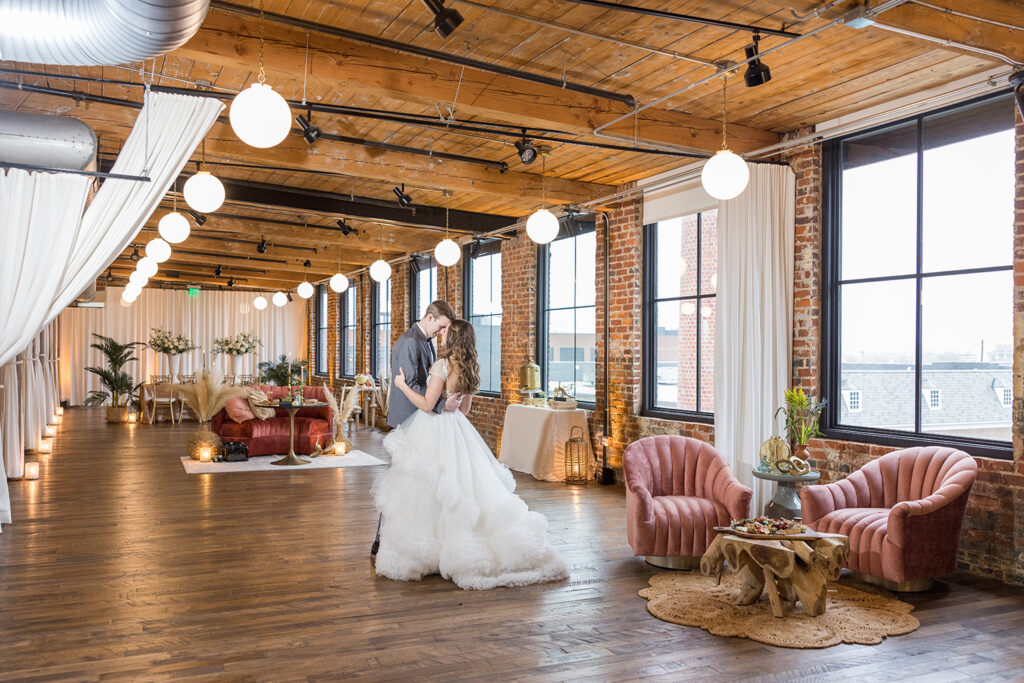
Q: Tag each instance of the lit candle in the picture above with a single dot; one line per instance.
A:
(133, 418)
(339, 448)
(205, 454)
(51, 430)
(31, 470)
(44, 446)
(60, 410)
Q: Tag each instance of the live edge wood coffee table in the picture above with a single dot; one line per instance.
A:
(291, 459)
(789, 568)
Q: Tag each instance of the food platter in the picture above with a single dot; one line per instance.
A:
(771, 537)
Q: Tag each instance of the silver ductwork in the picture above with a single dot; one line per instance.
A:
(95, 32)
(50, 141)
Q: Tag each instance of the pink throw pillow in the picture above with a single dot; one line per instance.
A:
(238, 409)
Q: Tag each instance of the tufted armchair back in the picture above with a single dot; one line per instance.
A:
(907, 475)
(678, 466)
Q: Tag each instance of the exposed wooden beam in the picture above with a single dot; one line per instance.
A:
(335, 63)
(961, 30)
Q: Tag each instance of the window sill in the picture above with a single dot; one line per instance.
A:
(998, 450)
(678, 416)
(488, 394)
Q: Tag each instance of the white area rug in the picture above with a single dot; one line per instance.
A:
(261, 463)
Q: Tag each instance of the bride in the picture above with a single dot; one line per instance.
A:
(448, 505)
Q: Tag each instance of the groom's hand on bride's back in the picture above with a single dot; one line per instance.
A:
(452, 403)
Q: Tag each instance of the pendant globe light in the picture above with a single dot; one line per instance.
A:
(447, 252)
(259, 116)
(204, 192)
(279, 299)
(542, 226)
(174, 227)
(380, 270)
(132, 290)
(259, 303)
(339, 282)
(725, 175)
(305, 289)
(138, 279)
(147, 266)
(158, 250)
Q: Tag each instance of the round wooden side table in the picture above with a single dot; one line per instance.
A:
(786, 501)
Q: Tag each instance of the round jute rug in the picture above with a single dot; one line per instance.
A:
(863, 616)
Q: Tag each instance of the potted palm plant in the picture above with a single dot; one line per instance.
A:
(284, 372)
(801, 420)
(118, 386)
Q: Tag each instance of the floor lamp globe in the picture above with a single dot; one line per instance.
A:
(725, 175)
(260, 117)
(204, 192)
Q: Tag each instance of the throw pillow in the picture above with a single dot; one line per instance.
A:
(238, 410)
(256, 396)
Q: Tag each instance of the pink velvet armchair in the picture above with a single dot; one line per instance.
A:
(903, 513)
(677, 490)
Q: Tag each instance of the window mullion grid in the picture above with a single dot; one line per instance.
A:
(700, 219)
(919, 314)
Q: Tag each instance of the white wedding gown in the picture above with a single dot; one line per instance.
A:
(448, 508)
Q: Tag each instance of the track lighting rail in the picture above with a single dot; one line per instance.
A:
(662, 14)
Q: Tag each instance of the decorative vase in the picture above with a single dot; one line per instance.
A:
(204, 437)
(175, 362)
(236, 364)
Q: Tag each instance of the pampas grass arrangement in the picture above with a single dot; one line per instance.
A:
(341, 415)
(207, 396)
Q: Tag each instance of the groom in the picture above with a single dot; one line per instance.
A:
(414, 353)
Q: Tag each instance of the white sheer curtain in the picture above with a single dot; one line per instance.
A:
(753, 331)
(204, 317)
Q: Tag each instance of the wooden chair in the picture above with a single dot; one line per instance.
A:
(164, 394)
(245, 380)
(187, 379)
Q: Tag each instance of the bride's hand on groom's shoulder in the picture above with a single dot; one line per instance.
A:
(452, 403)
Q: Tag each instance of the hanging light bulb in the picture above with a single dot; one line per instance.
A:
(126, 300)
(380, 270)
(279, 299)
(204, 192)
(138, 279)
(305, 290)
(259, 116)
(174, 227)
(447, 252)
(259, 303)
(339, 282)
(724, 175)
(147, 266)
(158, 250)
(132, 290)
(542, 226)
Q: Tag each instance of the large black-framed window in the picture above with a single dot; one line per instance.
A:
(566, 330)
(321, 330)
(918, 280)
(348, 312)
(482, 301)
(422, 285)
(381, 336)
(679, 315)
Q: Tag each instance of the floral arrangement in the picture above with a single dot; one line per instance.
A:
(244, 342)
(165, 341)
(362, 379)
(801, 416)
(768, 526)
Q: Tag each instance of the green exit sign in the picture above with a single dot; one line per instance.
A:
(193, 291)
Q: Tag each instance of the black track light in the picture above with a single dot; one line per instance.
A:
(135, 253)
(289, 295)
(572, 228)
(219, 272)
(403, 198)
(199, 218)
(446, 19)
(1017, 81)
(310, 133)
(757, 73)
(527, 152)
(231, 282)
(307, 264)
(346, 229)
(262, 246)
(110, 276)
(475, 248)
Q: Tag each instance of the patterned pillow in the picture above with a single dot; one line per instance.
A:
(256, 396)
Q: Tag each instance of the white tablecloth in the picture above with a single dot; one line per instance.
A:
(533, 440)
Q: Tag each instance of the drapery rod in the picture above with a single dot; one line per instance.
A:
(92, 174)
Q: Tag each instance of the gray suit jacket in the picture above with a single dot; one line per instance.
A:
(414, 353)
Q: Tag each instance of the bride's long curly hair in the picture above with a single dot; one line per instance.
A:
(460, 350)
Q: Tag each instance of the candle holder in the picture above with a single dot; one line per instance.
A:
(44, 446)
(31, 470)
(51, 430)
(576, 465)
(205, 454)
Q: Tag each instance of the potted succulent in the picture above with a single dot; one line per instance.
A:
(119, 386)
(801, 420)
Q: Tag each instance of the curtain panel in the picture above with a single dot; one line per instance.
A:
(202, 318)
(753, 332)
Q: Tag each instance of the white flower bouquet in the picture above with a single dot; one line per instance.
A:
(165, 341)
(244, 342)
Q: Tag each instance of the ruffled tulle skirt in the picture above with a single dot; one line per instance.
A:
(449, 508)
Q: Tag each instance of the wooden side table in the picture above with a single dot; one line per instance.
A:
(786, 501)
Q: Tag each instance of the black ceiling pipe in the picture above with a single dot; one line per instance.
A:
(425, 52)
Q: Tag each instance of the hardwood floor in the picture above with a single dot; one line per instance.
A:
(119, 565)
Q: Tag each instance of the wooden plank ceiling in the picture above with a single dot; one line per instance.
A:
(834, 72)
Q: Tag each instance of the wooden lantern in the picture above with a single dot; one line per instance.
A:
(576, 461)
